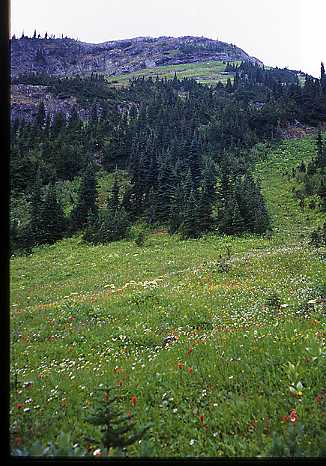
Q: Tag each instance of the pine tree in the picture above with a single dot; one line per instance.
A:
(191, 227)
(35, 228)
(323, 78)
(112, 226)
(91, 234)
(86, 202)
(40, 116)
(118, 429)
(320, 160)
(53, 222)
(113, 200)
(207, 197)
(231, 221)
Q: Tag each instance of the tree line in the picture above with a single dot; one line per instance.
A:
(185, 147)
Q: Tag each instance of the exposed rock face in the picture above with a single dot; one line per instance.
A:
(26, 98)
(67, 57)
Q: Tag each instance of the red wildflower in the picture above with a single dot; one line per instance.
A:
(18, 441)
(190, 370)
(19, 405)
(133, 400)
(293, 416)
(285, 418)
(180, 365)
(118, 369)
(189, 350)
(129, 414)
(202, 422)
(317, 398)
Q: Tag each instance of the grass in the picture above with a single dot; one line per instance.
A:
(210, 72)
(85, 315)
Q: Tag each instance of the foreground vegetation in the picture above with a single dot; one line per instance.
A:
(243, 371)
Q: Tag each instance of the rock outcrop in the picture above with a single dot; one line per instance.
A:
(68, 57)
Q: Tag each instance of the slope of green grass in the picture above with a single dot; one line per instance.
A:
(277, 184)
(245, 332)
(210, 72)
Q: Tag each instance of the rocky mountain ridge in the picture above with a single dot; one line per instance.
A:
(69, 57)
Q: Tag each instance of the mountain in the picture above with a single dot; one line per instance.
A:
(69, 57)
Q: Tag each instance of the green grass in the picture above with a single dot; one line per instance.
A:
(210, 72)
(79, 312)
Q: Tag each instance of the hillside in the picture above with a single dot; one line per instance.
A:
(68, 57)
(167, 252)
(244, 372)
(119, 61)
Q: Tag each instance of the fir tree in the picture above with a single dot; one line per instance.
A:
(191, 227)
(52, 217)
(207, 197)
(113, 200)
(40, 116)
(86, 202)
(35, 229)
(118, 429)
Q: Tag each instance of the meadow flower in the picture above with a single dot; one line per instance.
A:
(133, 400)
(293, 416)
(97, 452)
(19, 405)
(180, 365)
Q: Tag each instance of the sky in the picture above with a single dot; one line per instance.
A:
(283, 33)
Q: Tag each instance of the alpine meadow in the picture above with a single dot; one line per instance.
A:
(167, 251)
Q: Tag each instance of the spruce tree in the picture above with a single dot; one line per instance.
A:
(40, 116)
(231, 221)
(118, 429)
(35, 229)
(113, 200)
(190, 227)
(53, 222)
(86, 202)
(207, 197)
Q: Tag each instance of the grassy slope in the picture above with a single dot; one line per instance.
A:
(80, 311)
(210, 72)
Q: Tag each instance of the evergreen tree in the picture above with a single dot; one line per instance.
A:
(113, 200)
(35, 229)
(86, 202)
(207, 197)
(230, 220)
(191, 227)
(110, 226)
(40, 116)
(53, 222)
(118, 429)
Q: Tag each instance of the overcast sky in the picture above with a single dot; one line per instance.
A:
(279, 32)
